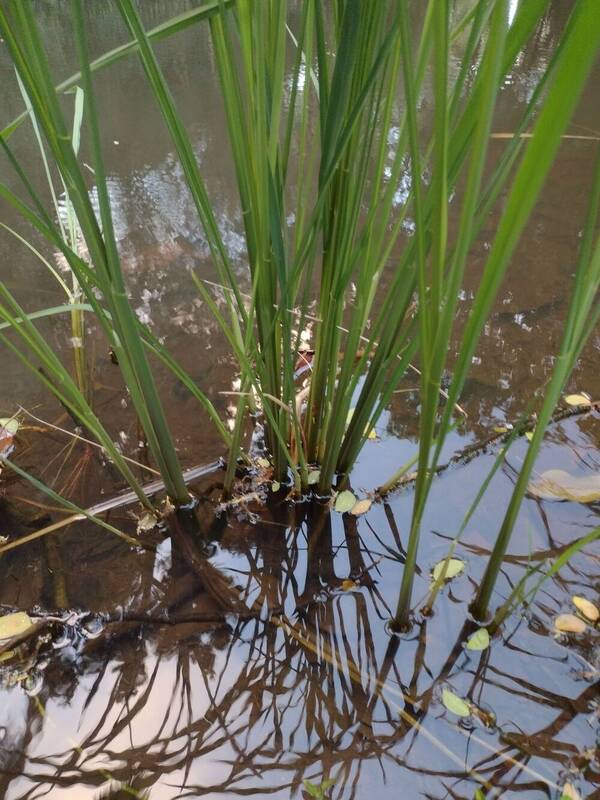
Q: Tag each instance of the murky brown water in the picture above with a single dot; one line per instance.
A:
(214, 705)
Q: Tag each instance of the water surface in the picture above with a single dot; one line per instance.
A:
(313, 687)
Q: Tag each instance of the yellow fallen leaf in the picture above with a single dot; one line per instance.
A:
(348, 584)
(569, 623)
(582, 399)
(556, 484)
(589, 610)
(529, 435)
(361, 507)
(14, 624)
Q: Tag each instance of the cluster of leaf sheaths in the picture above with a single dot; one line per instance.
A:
(320, 140)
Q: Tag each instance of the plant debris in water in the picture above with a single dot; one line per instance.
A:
(569, 623)
(448, 568)
(480, 640)
(557, 484)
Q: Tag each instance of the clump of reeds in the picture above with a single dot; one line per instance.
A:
(312, 143)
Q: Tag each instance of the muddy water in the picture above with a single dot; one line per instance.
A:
(159, 684)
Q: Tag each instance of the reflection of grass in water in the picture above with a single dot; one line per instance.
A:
(319, 147)
(116, 790)
(316, 680)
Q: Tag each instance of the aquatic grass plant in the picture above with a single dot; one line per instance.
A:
(336, 120)
(319, 151)
(114, 312)
(571, 63)
(582, 318)
(71, 235)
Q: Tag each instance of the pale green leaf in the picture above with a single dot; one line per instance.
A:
(345, 501)
(455, 704)
(9, 425)
(449, 568)
(480, 640)
(313, 476)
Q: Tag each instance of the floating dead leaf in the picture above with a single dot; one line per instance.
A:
(582, 399)
(275, 486)
(449, 568)
(14, 624)
(556, 484)
(313, 476)
(345, 501)
(500, 429)
(146, 522)
(9, 427)
(589, 610)
(569, 792)
(480, 640)
(569, 623)
(348, 584)
(361, 507)
(455, 704)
